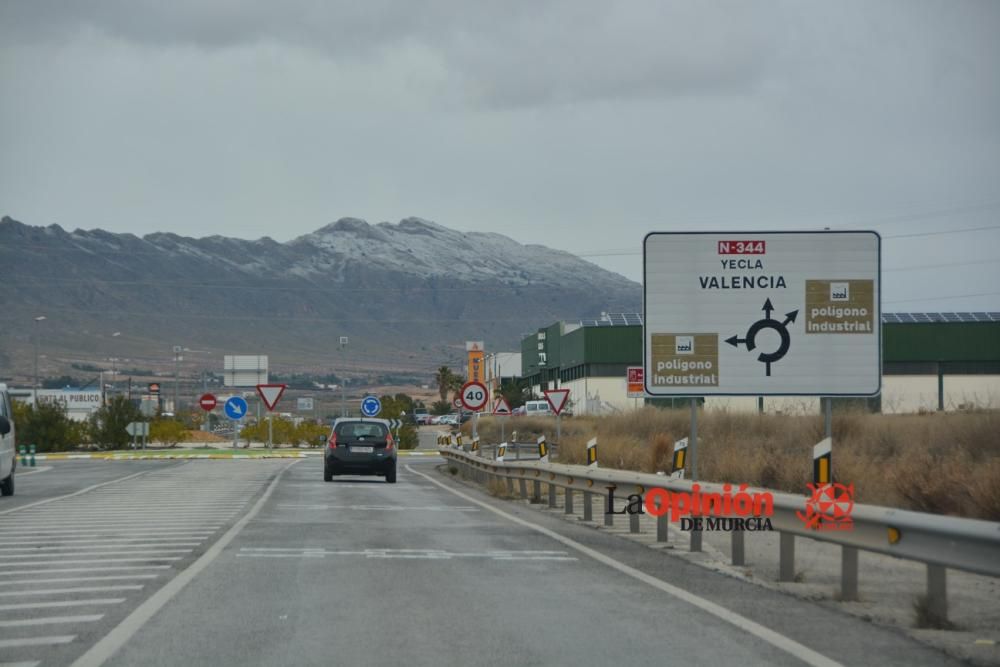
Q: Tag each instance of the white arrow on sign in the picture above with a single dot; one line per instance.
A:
(271, 394)
(394, 424)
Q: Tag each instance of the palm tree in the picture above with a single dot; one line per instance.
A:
(445, 380)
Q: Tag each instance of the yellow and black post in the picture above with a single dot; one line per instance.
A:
(501, 451)
(543, 449)
(475, 445)
(680, 458)
(592, 453)
(823, 462)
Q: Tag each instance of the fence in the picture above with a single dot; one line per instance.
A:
(940, 542)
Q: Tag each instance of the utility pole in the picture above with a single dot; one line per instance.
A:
(34, 397)
(177, 359)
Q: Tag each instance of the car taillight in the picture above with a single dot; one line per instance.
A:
(389, 444)
(332, 441)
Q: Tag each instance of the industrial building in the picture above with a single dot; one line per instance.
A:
(930, 361)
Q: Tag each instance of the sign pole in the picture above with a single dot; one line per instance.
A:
(236, 430)
(270, 431)
(693, 457)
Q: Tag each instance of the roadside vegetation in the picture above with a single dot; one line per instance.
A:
(943, 463)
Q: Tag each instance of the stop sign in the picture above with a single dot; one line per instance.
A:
(207, 402)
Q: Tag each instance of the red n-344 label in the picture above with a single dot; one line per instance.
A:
(741, 247)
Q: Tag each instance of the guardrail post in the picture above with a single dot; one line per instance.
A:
(695, 540)
(739, 554)
(588, 506)
(569, 501)
(609, 518)
(662, 528)
(937, 592)
(552, 494)
(786, 557)
(849, 573)
(633, 522)
(536, 492)
(523, 485)
(510, 485)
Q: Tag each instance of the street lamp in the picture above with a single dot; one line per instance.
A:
(35, 391)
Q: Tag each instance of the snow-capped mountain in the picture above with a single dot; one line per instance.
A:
(409, 294)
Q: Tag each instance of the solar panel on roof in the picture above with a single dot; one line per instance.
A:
(994, 317)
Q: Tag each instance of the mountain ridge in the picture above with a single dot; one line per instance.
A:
(409, 292)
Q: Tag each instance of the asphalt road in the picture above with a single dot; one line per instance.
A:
(290, 570)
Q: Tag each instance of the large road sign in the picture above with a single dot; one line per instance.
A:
(370, 406)
(235, 407)
(474, 396)
(270, 394)
(762, 313)
(207, 402)
(137, 428)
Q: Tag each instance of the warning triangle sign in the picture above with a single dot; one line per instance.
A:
(557, 399)
(501, 407)
(271, 394)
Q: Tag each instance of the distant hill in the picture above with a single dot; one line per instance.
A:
(407, 295)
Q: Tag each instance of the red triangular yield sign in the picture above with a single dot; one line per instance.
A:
(556, 398)
(271, 394)
(501, 407)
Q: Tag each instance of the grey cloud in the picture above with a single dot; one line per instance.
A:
(507, 54)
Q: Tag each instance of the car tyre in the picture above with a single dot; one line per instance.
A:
(390, 476)
(7, 485)
(327, 474)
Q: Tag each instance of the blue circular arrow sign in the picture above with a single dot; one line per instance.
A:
(236, 407)
(370, 406)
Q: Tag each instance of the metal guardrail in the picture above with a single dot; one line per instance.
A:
(940, 542)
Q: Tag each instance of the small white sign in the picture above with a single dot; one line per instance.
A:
(304, 404)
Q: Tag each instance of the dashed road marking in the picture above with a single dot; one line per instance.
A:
(51, 620)
(410, 554)
(384, 508)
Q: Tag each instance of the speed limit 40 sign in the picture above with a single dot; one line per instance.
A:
(473, 396)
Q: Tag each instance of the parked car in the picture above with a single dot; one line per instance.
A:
(538, 408)
(436, 419)
(8, 453)
(421, 416)
(519, 411)
(449, 420)
(360, 447)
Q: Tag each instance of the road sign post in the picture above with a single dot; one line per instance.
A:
(557, 399)
(235, 408)
(704, 294)
(270, 394)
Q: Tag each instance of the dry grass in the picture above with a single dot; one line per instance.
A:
(942, 463)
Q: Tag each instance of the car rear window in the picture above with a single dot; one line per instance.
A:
(361, 430)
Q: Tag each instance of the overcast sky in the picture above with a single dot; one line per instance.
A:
(581, 125)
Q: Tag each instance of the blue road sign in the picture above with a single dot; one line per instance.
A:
(370, 406)
(236, 407)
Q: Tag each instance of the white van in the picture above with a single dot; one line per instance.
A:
(537, 409)
(8, 454)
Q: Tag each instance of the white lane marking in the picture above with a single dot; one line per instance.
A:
(92, 552)
(60, 603)
(114, 640)
(411, 554)
(21, 664)
(385, 508)
(71, 495)
(101, 523)
(34, 472)
(138, 537)
(787, 644)
(36, 641)
(80, 589)
(78, 561)
(102, 547)
(108, 529)
(35, 571)
(73, 580)
(52, 620)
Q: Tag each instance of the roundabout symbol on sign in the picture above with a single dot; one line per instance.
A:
(370, 406)
(767, 358)
(474, 396)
